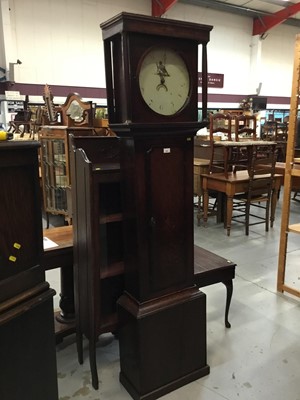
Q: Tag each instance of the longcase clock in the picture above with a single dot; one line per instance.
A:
(152, 91)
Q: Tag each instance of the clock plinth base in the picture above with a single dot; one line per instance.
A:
(162, 343)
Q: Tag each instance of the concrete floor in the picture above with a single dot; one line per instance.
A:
(258, 358)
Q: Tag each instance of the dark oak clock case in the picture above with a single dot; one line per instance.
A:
(162, 314)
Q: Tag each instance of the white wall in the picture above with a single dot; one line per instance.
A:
(59, 42)
(229, 51)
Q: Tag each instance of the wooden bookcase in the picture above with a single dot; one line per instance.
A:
(98, 240)
(290, 172)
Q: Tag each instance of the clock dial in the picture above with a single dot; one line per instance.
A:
(164, 81)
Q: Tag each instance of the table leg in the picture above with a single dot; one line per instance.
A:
(66, 304)
(229, 290)
(229, 206)
(221, 203)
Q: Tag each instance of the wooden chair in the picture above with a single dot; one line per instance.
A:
(219, 123)
(261, 173)
(245, 127)
(268, 130)
(281, 136)
(21, 123)
(245, 130)
(278, 132)
(38, 121)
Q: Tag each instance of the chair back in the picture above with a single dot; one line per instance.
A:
(245, 127)
(281, 132)
(262, 169)
(259, 193)
(23, 116)
(220, 123)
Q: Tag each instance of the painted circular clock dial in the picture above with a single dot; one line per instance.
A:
(164, 81)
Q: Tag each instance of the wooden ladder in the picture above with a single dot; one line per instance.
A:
(290, 172)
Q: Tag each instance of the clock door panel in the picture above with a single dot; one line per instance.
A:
(165, 174)
(158, 187)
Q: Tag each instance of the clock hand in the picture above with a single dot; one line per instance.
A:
(161, 72)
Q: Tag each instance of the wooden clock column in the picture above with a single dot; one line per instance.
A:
(162, 314)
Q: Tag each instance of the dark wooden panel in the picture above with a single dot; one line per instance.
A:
(20, 218)
(158, 199)
(27, 350)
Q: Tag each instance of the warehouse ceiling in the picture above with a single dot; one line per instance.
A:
(255, 8)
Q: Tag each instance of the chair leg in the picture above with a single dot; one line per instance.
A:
(229, 289)
(79, 346)
(247, 219)
(93, 364)
(267, 216)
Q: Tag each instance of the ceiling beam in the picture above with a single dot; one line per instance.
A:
(233, 9)
(159, 7)
(263, 24)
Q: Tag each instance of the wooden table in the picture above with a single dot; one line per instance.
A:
(232, 184)
(61, 257)
(209, 269)
(280, 169)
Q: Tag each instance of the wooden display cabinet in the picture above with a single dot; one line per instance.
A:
(55, 167)
(98, 241)
(77, 118)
